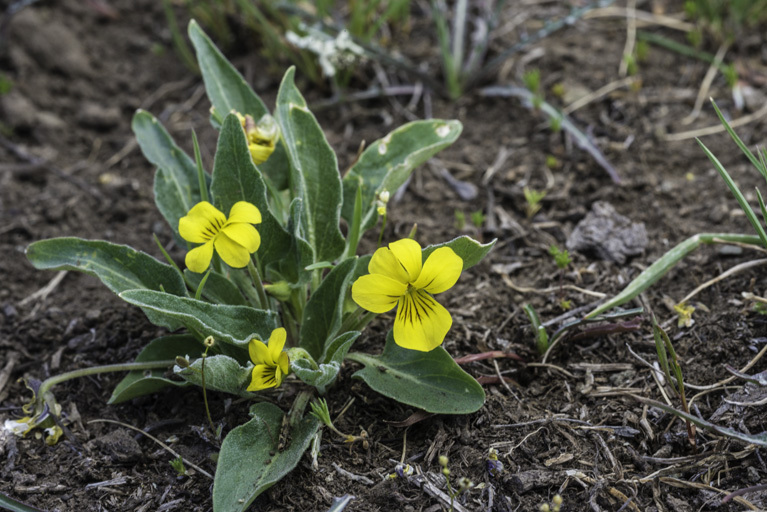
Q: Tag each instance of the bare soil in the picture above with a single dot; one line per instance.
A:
(69, 166)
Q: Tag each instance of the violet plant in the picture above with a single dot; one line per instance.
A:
(273, 293)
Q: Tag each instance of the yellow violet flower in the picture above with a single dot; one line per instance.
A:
(234, 239)
(271, 363)
(262, 136)
(399, 278)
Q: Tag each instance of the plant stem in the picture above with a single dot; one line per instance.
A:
(259, 285)
(205, 394)
(95, 370)
(357, 320)
(299, 405)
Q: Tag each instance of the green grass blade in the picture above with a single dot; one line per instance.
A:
(660, 347)
(8, 503)
(541, 336)
(761, 205)
(654, 272)
(737, 193)
(737, 140)
(758, 439)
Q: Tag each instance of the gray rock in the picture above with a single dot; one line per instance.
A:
(118, 445)
(608, 235)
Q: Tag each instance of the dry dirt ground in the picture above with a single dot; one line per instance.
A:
(69, 166)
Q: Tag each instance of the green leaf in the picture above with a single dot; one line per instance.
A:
(8, 503)
(250, 462)
(322, 315)
(222, 373)
(218, 289)
(654, 272)
(176, 184)
(431, 381)
(750, 215)
(119, 267)
(326, 374)
(387, 163)
(292, 266)
(139, 383)
(225, 86)
(235, 325)
(235, 178)
(313, 171)
(470, 251)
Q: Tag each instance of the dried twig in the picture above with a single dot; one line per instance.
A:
(724, 275)
(165, 446)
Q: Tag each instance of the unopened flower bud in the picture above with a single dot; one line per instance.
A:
(183, 362)
(262, 137)
(279, 290)
(442, 461)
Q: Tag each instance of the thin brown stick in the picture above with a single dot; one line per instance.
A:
(165, 446)
(724, 275)
(718, 128)
(705, 86)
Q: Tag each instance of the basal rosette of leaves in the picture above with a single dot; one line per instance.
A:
(271, 280)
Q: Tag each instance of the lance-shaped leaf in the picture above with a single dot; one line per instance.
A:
(387, 163)
(225, 86)
(235, 178)
(313, 171)
(119, 267)
(431, 381)
(139, 383)
(235, 325)
(176, 185)
(250, 460)
(322, 315)
(222, 373)
(292, 266)
(470, 251)
(327, 372)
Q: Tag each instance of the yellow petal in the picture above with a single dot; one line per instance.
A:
(243, 211)
(201, 224)
(377, 293)
(408, 252)
(244, 234)
(277, 343)
(278, 375)
(283, 363)
(421, 323)
(440, 272)
(385, 263)
(260, 153)
(233, 254)
(262, 377)
(259, 353)
(198, 259)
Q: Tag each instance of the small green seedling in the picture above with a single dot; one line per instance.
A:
(178, 465)
(533, 200)
(532, 81)
(562, 260)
